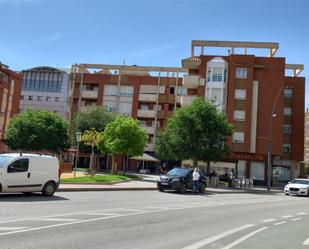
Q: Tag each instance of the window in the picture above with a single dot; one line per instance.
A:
(239, 115)
(288, 92)
(110, 106)
(30, 98)
(22, 97)
(217, 74)
(172, 90)
(238, 137)
(39, 98)
(287, 129)
(208, 75)
(287, 111)
(182, 91)
(48, 98)
(57, 99)
(240, 94)
(110, 90)
(125, 108)
(216, 94)
(241, 73)
(286, 148)
(20, 165)
(257, 170)
(144, 107)
(126, 91)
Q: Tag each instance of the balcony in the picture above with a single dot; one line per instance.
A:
(147, 97)
(150, 147)
(89, 94)
(186, 100)
(146, 113)
(191, 81)
(148, 129)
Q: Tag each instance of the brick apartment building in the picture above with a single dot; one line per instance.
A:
(306, 145)
(253, 90)
(10, 87)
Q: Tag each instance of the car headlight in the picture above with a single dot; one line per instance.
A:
(175, 180)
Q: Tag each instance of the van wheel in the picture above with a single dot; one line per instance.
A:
(49, 189)
(182, 188)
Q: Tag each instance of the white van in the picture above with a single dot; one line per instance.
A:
(29, 173)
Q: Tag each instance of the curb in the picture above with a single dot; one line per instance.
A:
(102, 189)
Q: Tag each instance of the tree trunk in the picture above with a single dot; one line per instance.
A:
(123, 164)
(91, 162)
(113, 164)
(195, 163)
(208, 167)
(127, 165)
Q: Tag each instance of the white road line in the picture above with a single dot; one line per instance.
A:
(247, 236)
(306, 242)
(211, 239)
(101, 214)
(296, 219)
(269, 220)
(11, 228)
(302, 213)
(57, 219)
(287, 216)
(279, 223)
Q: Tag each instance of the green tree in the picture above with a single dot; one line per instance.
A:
(197, 132)
(91, 138)
(94, 117)
(37, 130)
(123, 136)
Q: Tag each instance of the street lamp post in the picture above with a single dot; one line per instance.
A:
(269, 150)
(78, 139)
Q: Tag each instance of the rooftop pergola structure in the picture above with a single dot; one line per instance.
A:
(271, 46)
(296, 68)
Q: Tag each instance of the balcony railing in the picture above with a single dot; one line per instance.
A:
(148, 129)
(191, 80)
(88, 94)
(146, 113)
(150, 147)
(186, 100)
(147, 97)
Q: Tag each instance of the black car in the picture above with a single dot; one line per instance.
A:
(179, 179)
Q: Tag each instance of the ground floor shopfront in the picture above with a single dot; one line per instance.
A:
(253, 166)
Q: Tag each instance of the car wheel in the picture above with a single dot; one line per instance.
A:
(286, 193)
(182, 188)
(161, 189)
(202, 188)
(49, 189)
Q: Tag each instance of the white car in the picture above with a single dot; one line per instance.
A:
(297, 187)
(21, 172)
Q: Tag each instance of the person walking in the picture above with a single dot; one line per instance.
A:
(196, 180)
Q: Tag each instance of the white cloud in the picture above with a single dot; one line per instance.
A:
(50, 38)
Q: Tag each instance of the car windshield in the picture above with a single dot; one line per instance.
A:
(306, 182)
(4, 160)
(178, 172)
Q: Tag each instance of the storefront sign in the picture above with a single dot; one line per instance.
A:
(280, 162)
(246, 156)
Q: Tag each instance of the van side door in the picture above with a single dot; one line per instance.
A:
(17, 176)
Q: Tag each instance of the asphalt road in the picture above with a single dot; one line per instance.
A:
(150, 219)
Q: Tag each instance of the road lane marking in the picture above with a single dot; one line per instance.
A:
(306, 242)
(11, 228)
(99, 214)
(247, 236)
(279, 223)
(211, 239)
(302, 213)
(287, 216)
(57, 219)
(269, 220)
(296, 219)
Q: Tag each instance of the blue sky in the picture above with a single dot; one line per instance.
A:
(144, 32)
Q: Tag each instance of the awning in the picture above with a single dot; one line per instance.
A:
(145, 157)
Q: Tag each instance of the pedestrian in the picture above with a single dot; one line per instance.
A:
(196, 180)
